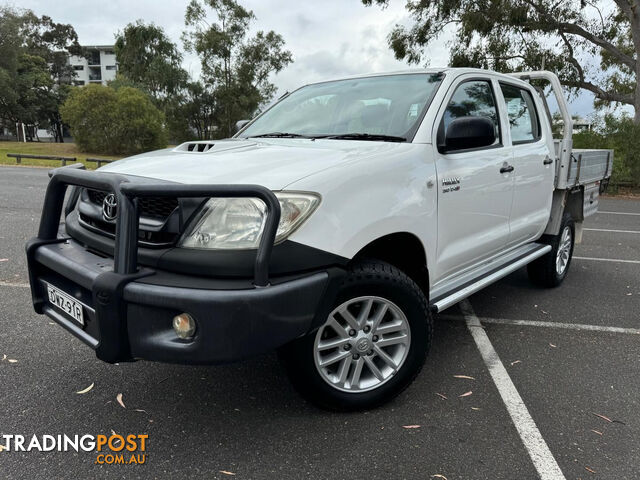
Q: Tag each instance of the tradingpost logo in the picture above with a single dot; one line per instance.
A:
(129, 449)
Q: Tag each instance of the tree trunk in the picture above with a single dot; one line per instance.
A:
(634, 20)
(636, 100)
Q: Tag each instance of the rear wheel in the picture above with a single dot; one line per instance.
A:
(371, 346)
(551, 269)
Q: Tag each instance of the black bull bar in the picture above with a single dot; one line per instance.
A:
(109, 285)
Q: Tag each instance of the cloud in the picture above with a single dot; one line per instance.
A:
(328, 39)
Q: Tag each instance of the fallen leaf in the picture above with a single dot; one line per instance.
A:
(437, 475)
(589, 470)
(546, 313)
(466, 377)
(139, 410)
(602, 417)
(552, 345)
(411, 426)
(119, 399)
(1, 448)
(4, 259)
(86, 389)
(629, 294)
(466, 394)
(224, 472)
(4, 357)
(12, 360)
(514, 362)
(444, 397)
(475, 408)
(596, 431)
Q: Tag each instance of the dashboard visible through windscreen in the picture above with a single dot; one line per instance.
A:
(390, 105)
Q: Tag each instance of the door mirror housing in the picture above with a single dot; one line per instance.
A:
(465, 133)
(240, 124)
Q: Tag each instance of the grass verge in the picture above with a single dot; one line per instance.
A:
(47, 148)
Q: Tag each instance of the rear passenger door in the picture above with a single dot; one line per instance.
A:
(474, 197)
(533, 168)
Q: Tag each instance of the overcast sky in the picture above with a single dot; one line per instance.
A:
(328, 38)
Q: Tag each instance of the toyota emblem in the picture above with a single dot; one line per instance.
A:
(110, 207)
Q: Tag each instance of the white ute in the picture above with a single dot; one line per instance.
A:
(399, 195)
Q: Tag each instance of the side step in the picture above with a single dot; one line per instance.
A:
(460, 289)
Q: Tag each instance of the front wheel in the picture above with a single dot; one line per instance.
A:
(551, 269)
(371, 346)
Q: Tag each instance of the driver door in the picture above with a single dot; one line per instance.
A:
(474, 196)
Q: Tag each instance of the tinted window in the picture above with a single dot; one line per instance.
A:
(473, 99)
(523, 119)
(386, 105)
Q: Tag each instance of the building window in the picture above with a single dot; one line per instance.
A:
(78, 83)
(94, 57)
(78, 67)
(95, 74)
(111, 67)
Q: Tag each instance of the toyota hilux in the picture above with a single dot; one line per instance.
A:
(331, 228)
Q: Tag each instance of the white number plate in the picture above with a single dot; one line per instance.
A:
(65, 303)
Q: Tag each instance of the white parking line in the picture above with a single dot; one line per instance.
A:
(611, 231)
(621, 213)
(615, 260)
(537, 448)
(11, 284)
(568, 326)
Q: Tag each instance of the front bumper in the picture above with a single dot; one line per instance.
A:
(128, 309)
(129, 317)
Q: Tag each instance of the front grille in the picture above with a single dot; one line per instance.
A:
(157, 209)
(147, 237)
(152, 207)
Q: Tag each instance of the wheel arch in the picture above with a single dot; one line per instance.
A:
(570, 201)
(404, 251)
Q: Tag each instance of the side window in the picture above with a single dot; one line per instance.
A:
(523, 118)
(472, 99)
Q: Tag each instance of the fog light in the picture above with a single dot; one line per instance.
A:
(184, 325)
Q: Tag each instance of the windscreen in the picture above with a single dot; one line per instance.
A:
(385, 105)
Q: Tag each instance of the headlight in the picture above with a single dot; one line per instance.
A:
(237, 223)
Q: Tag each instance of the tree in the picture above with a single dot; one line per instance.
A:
(105, 120)
(561, 36)
(620, 134)
(196, 112)
(34, 67)
(235, 68)
(148, 58)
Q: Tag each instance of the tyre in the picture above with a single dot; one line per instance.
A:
(372, 345)
(551, 269)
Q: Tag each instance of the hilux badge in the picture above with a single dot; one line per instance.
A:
(109, 207)
(450, 184)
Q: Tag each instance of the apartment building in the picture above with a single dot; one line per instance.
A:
(99, 66)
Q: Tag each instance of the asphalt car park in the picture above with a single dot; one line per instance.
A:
(570, 355)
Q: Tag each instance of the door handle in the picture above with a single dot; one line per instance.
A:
(507, 169)
(547, 161)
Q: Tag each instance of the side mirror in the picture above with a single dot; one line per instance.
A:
(240, 124)
(469, 132)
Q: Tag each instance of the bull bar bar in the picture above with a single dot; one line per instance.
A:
(127, 192)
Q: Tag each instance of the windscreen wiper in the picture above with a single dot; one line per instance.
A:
(279, 135)
(367, 136)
